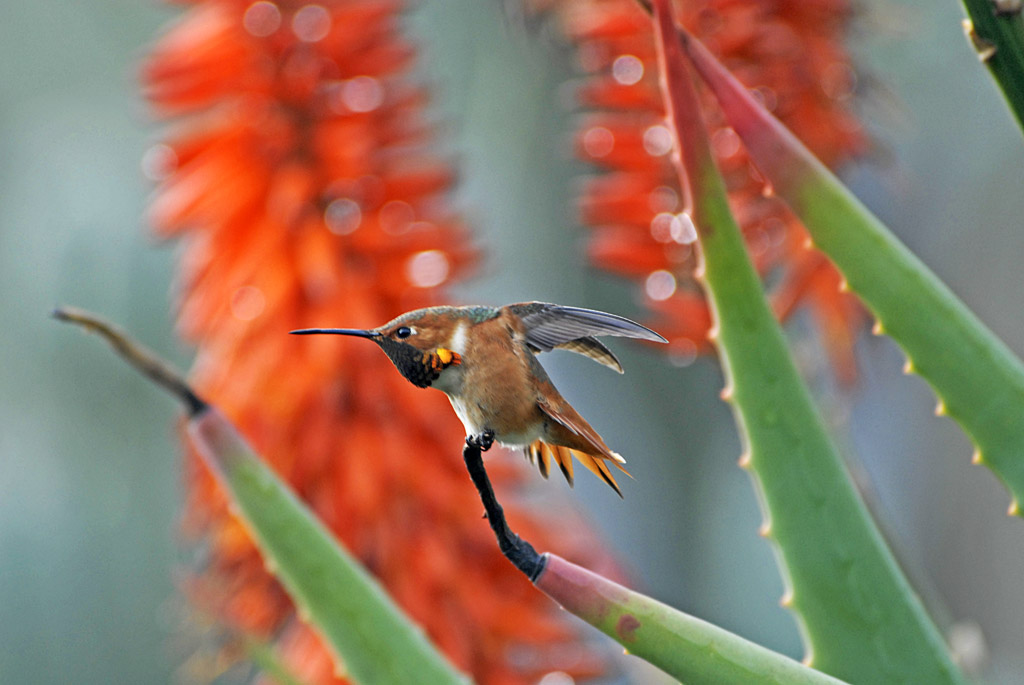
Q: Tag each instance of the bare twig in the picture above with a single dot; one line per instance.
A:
(520, 552)
(142, 358)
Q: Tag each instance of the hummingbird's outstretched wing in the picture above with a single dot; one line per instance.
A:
(593, 348)
(550, 326)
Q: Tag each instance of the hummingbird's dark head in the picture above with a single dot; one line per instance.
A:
(410, 341)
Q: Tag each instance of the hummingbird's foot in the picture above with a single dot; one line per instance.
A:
(481, 441)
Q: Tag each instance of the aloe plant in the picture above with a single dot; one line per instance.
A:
(371, 638)
(684, 646)
(995, 29)
(861, 619)
(373, 641)
(979, 380)
(845, 585)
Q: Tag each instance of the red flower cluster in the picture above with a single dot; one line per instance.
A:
(790, 52)
(297, 174)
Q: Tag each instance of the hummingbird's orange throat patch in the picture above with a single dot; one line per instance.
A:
(441, 359)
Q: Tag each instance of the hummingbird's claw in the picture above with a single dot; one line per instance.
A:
(482, 441)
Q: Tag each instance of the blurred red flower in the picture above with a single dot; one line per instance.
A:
(298, 176)
(791, 54)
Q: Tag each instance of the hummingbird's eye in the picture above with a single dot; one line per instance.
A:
(403, 332)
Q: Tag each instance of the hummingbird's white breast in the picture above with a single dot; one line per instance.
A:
(475, 422)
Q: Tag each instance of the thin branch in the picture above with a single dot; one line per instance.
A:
(520, 552)
(142, 358)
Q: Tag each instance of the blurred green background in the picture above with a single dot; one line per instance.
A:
(89, 464)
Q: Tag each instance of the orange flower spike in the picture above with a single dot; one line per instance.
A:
(790, 53)
(298, 174)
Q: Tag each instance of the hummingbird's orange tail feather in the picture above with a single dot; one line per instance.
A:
(541, 453)
(565, 463)
(538, 456)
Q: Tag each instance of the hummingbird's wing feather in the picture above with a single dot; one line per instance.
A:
(568, 418)
(586, 445)
(551, 325)
(593, 348)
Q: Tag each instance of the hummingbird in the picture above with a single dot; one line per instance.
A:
(484, 359)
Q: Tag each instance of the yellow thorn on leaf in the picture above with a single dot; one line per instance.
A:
(985, 48)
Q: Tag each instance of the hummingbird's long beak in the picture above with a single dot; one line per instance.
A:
(358, 332)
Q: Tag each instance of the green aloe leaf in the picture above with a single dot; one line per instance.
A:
(996, 32)
(860, 617)
(687, 648)
(978, 379)
(370, 636)
(374, 640)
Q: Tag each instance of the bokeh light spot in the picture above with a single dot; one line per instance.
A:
(311, 23)
(427, 269)
(657, 140)
(667, 227)
(598, 141)
(247, 303)
(661, 227)
(396, 216)
(684, 232)
(362, 94)
(663, 199)
(725, 142)
(262, 19)
(839, 81)
(557, 678)
(343, 216)
(682, 352)
(159, 162)
(660, 285)
(627, 70)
